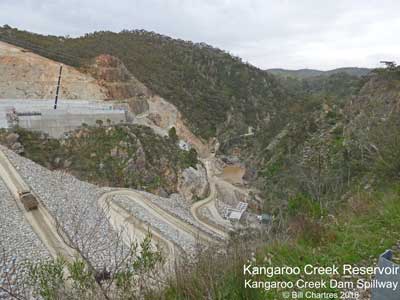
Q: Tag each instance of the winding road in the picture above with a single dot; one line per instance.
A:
(220, 225)
(132, 229)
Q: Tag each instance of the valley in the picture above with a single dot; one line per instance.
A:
(168, 164)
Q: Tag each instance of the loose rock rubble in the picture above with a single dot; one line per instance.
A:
(178, 237)
(73, 204)
(18, 244)
(177, 207)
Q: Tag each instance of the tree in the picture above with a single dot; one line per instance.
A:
(99, 123)
(192, 157)
(391, 65)
(172, 134)
(63, 279)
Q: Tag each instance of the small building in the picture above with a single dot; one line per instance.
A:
(235, 214)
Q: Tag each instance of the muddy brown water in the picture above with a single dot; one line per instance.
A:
(233, 174)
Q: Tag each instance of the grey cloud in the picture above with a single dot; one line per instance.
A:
(267, 33)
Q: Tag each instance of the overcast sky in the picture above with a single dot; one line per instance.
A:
(293, 34)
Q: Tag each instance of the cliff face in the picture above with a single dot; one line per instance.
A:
(27, 75)
(119, 83)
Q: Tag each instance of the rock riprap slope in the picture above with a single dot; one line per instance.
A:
(18, 243)
(73, 204)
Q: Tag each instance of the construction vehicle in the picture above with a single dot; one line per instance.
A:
(28, 200)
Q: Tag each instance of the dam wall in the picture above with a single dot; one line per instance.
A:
(40, 115)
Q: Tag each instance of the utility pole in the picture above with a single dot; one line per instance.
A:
(58, 88)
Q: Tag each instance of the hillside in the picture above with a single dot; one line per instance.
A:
(213, 90)
(308, 73)
(320, 149)
(217, 94)
(120, 156)
(27, 75)
(331, 182)
(340, 145)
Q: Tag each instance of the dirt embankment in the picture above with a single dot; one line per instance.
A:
(27, 75)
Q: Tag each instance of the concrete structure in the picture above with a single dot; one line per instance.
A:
(39, 115)
(383, 293)
(235, 214)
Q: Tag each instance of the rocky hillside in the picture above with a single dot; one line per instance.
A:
(251, 112)
(339, 146)
(119, 83)
(216, 93)
(120, 156)
(27, 75)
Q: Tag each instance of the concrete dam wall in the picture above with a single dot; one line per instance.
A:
(40, 115)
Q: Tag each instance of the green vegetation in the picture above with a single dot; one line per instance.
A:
(218, 94)
(121, 156)
(365, 226)
(205, 83)
(326, 149)
(309, 73)
(331, 184)
(172, 135)
(62, 279)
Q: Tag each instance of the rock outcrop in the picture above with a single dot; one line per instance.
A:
(12, 141)
(193, 183)
(138, 105)
(119, 83)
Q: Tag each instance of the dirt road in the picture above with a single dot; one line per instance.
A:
(220, 225)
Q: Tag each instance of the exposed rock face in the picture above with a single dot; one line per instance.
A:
(138, 105)
(12, 142)
(164, 115)
(193, 183)
(137, 164)
(12, 138)
(27, 75)
(116, 79)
